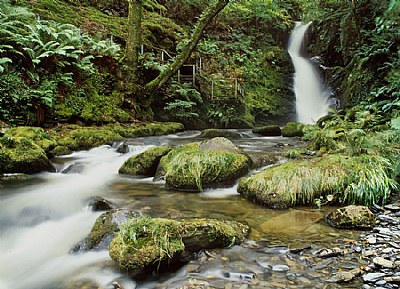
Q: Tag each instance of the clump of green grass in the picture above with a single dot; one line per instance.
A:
(362, 179)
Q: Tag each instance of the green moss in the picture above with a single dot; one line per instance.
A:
(22, 155)
(188, 168)
(142, 241)
(60, 151)
(145, 163)
(36, 134)
(292, 129)
(269, 130)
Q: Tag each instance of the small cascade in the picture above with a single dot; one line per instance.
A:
(311, 95)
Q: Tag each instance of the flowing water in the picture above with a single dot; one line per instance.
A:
(312, 97)
(41, 219)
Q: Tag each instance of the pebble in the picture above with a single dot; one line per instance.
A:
(280, 268)
(373, 277)
(383, 262)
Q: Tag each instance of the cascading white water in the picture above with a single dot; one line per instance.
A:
(311, 95)
(39, 224)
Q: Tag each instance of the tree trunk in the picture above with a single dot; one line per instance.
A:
(180, 60)
(134, 37)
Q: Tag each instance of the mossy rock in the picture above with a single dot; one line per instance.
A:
(292, 129)
(190, 168)
(145, 163)
(60, 151)
(22, 155)
(36, 134)
(352, 217)
(213, 132)
(269, 130)
(105, 227)
(147, 129)
(360, 179)
(148, 242)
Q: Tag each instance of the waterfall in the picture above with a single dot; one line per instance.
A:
(311, 95)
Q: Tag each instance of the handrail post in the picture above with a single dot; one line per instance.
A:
(194, 75)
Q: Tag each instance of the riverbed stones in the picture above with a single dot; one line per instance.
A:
(352, 217)
(145, 163)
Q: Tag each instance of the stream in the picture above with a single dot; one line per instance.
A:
(42, 218)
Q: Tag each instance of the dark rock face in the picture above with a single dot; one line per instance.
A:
(352, 217)
(74, 169)
(123, 148)
(269, 130)
(98, 204)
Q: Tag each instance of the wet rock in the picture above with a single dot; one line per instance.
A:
(22, 155)
(74, 169)
(355, 217)
(327, 253)
(382, 262)
(145, 163)
(213, 133)
(162, 241)
(269, 130)
(262, 160)
(105, 227)
(210, 164)
(123, 148)
(98, 204)
(280, 268)
(373, 277)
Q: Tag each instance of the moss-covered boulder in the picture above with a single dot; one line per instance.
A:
(191, 168)
(360, 179)
(22, 155)
(147, 242)
(105, 227)
(352, 217)
(145, 163)
(292, 129)
(59, 151)
(269, 130)
(36, 134)
(215, 132)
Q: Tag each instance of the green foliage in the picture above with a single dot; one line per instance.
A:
(184, 97)
(41, 60)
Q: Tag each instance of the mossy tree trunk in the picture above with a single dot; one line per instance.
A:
(180, 60)
(134, 37)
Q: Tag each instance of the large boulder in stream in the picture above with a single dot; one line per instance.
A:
(149, 242)
(352, 217)
(215, 132)
(209, 164)
(145, 163)
(22, 155)
(268, 130)
(333, 178)
(105, 227)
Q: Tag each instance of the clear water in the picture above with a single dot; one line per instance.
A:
(43, 218)
(312, 97)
